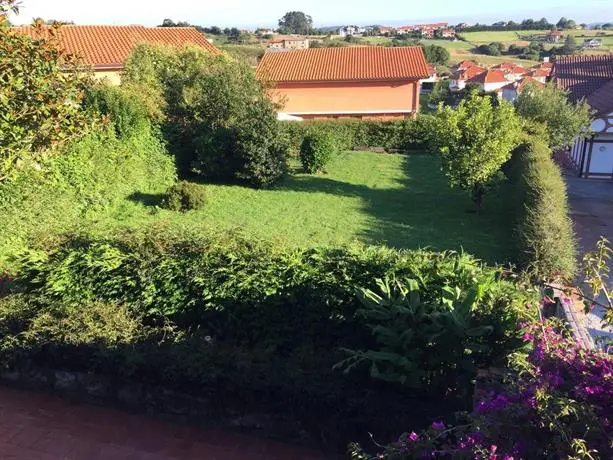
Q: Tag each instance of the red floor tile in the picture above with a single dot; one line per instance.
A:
(42, 427)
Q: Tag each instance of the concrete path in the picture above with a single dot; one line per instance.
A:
(591, 203)
(41, 427)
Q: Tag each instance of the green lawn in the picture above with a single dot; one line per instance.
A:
(401, 201)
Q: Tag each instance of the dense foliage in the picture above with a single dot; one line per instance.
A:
(475, 140)
(544, 233)
(404, 135)
(217, 118)
(565, 121)
(296, 22)
(436, 54)
(40, 95)
(553, 403)
(184, 196)
(316, 151)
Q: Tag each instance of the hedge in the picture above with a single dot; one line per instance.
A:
(544, 235)
(244, 318)
(404, 135)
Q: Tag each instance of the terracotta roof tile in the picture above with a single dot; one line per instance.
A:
(469, 72)
(489, 76)
(583, 75)
(110, 46)
(344, 64)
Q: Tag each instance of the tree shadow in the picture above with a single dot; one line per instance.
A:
(147, 199)
(422, 211)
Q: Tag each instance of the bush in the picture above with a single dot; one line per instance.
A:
(184, 196)
(403, 135)
(217, 118)
(125, 108)
(544, 234)
(316, 151)
(241, 319)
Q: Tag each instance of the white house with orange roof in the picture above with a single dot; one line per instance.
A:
(490, 80)
(464, 74)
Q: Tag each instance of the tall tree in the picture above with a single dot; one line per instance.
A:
(296, 22)
(565, 122)
(475, 140)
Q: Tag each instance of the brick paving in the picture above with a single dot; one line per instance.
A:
(43, 427)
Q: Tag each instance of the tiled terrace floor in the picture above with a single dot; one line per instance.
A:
(42, 427)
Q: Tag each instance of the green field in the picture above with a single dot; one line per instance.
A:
(398, 200)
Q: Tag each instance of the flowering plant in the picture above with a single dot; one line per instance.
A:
(555, 402)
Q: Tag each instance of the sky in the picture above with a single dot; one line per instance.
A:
(253, 13)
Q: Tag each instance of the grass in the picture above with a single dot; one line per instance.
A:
(396, 200)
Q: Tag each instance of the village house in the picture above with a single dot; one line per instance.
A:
(355, 82)
(466, 71)
(590, 78)
(512, 72)
(350, 31)
(106, 48)
(591, 43)
(490, 80)
(554, 37)
(510, 91)
(447, 33)
(292, 42)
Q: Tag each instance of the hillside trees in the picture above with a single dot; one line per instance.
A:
(296, 22)
(475, 140)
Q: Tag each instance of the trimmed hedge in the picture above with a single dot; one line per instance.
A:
(404, 135)
(184, 196)
(316, 151)
(544, 234)
(240, 319)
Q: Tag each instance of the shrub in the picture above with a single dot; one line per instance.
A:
(404, 135)
(543, 232)
(125, 108)
(316, 151)
(184, 196)
(217, 118)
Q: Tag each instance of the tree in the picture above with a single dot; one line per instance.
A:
(564, 23)
(296, 22)
(40, 97)
(475, 140)
(217, 118)
(549, 106)
(436, 54)
(570, 45)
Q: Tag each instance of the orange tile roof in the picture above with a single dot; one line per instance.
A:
(110, 46)
(489, 76)
(466, 64)
(344, 64)
(470, 72)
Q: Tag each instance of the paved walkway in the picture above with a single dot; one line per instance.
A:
(591, 203)
(41, 427)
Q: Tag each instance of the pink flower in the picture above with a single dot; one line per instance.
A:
(528, 337)
(413, 436)
(438, 425)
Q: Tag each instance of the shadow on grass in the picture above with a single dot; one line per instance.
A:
(147, 199)
(422, 211)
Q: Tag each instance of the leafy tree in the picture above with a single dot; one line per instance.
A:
(440, 93)
(40, 96)
(570, 45)
(296, 22)
(475, 140)
(436, 54)
(564, 23)
(549, 106)
(216, 116)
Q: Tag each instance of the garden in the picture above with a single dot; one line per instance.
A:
(329, 282)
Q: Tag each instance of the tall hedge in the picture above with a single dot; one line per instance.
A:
(543, 232)
(403, 135)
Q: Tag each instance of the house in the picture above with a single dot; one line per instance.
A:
(537, 73)
(513, 72)
(349, 31)
(447, 33)
(355, 82)
(386, 30)
(427, 84)
(490, 80)
(510, 91)
(592, 43)
(554, 37)
(106, 48)
(590, 78)
(465, 64)
(463, 75)
(291, 42)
